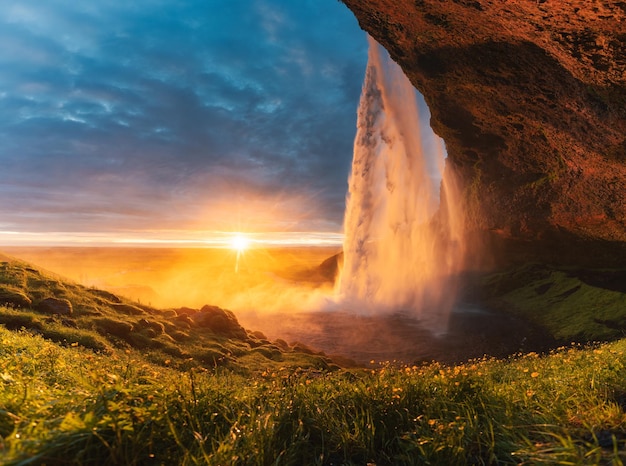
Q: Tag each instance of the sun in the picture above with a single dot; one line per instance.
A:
(239, 242)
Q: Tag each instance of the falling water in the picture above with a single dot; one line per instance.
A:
(402, 246)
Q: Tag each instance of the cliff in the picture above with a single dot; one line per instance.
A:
(530, 98)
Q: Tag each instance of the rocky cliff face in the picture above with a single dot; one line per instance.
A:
(530, 97)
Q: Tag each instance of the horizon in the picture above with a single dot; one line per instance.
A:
(179, 239)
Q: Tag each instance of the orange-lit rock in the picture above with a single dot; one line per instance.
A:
(530, 97)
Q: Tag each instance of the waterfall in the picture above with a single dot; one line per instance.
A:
(403, 246)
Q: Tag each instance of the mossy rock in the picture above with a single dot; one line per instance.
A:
(221, 321)
(302, 348)
(282, 344)
(258, 335)
(212, 358)
(269, 352)
(157, 328)
(116, 328)
(57, 306)
(141, 341)
(184, 321)
(169, 313)
(179, 335)
(109, 297)
(127, 309)
(13, 297)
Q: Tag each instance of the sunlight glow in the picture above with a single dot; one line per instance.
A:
(170, 239)
(239, 242)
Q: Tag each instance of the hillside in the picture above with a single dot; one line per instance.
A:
(71, 314)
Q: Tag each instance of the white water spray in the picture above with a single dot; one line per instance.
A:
(402, 247)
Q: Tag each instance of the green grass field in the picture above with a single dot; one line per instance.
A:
(69, 405)
(115, 382)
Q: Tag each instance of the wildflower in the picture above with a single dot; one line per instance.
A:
(534, 375)
(530, 393)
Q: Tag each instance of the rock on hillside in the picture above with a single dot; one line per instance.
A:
(530, 97)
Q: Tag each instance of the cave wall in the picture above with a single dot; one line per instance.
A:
(530, 98)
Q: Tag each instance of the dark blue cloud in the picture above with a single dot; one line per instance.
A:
(151, 113)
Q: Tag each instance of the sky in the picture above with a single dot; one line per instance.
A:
(176, 121)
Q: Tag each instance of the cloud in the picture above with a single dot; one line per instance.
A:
(119, 114)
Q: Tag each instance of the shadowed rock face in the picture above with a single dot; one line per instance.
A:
(530, 97)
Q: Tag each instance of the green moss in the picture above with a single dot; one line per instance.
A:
(14, 297)
(75, 337)
(12, 273)
(559, 301)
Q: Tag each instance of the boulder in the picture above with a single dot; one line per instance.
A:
(56, 306)
(220, 321)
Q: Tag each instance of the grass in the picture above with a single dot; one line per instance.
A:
(566, 302)
(69, 405)
(109, 386)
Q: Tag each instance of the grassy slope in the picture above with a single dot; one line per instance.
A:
(108, 323)
(571, 304)
(150, 395)
(67, 405)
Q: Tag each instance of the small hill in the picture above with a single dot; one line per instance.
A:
(68, 313)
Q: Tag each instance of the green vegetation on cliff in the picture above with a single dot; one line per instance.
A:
(572, 304)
